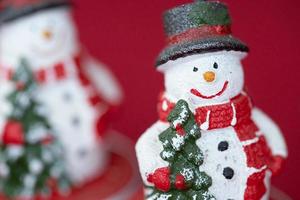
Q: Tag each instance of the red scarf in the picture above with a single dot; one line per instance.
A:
(58, 72)
(235, 113)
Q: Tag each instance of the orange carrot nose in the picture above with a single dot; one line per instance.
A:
(47, 34)
(209, 76)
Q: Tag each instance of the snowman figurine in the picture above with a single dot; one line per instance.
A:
(75, 89)
(202, 64)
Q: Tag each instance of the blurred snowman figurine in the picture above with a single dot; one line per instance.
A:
(77, 91)
(202, 64)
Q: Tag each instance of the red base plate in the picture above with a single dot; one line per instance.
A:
(109, 185)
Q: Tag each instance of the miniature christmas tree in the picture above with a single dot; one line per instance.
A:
(182, 179)
(31, 161)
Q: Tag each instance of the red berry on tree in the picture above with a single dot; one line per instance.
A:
(161, 179)
(180, 182)
(180, 130)
(20, 85)
(48, 140)
(150, 178)
(13, 133)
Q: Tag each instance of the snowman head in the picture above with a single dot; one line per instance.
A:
(205, 79)
(202, 58)
(43, 37)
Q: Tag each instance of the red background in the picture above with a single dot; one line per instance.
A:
(128, 35)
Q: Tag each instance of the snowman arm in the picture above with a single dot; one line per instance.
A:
(105, 82)
(148, 149)
(271, 131)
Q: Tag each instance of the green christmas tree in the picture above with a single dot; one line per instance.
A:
(31, 158)
(182, 179)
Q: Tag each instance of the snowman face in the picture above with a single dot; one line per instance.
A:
(45, 36)
(205, 79)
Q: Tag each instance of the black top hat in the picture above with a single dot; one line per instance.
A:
(14, 9)
(199, 27)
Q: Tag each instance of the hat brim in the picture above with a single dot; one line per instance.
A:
(13, 14)
(228, 43)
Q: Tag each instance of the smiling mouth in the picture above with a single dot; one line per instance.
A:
(198, 94)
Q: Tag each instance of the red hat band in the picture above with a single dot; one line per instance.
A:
(17, 3)
(202, 32)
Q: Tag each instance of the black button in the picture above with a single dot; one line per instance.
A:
(82, 153)
(75, 121)
(67, 97)
(216, 66)
(228, 173)
(223, 146)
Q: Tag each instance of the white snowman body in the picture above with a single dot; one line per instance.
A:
(211, 79)
(45, 39)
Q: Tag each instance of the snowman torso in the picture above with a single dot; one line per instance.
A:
(235, 151)
(75, 119)
(233, 163)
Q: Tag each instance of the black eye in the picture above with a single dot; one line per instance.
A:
(195, 69)
(216, 66)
